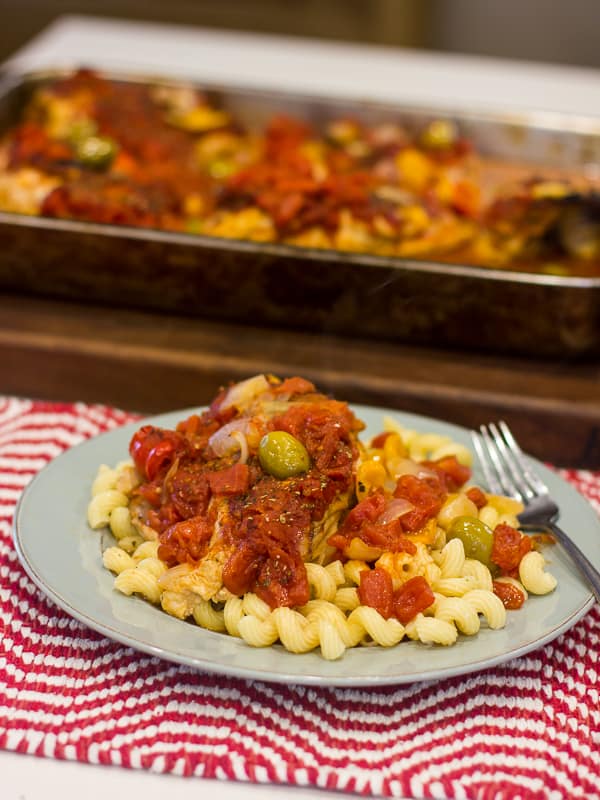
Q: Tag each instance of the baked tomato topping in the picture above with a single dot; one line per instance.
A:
(476, 496)
(255, 519)
(508, 548)
(426, 494)
(365, 521)
(411, 598)
(451, 472)
(376, 590)
(185, 541)
(154, 450)
(512, 597)
(378, 441)
(276, 576)
(233, 480)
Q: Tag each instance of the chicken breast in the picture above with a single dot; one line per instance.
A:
(243, 494)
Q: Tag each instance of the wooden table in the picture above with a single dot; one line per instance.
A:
(153, 362)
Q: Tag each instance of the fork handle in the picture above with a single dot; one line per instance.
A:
(581, 560)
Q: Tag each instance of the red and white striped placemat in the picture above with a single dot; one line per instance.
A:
(529, 729)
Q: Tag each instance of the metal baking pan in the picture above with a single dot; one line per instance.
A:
(323, 291)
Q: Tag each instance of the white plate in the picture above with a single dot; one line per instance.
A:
(63, 557)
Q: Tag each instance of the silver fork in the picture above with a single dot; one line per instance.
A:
(508, 472)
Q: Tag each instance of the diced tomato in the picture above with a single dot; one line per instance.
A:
(242, 567)
(338, 542)
(476, 496)
(508, 548)
(451, 471)
(362, 522)
(198, 429)
(512, 597)
(387, 537)
(368, 510)
(153, 520)
(185, 541)
(466, 198)
(189, 489)
(324, 429)
(162, 518)
(282, 580)
(154, 450)
(426, 494)
(376, 590)
(189, 427)
(457, 472)
(365, 512)
(31, 144)
(276, 576)
(152, 492)
(294, 386)
(411, 598)
(233, 480)
(283, 184)
(378, 441)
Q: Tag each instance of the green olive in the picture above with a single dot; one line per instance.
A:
(476, 537)
(96, 152)
(282, 455)
(82, 129)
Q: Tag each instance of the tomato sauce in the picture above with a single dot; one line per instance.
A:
(512, 597)
(369, 180)
(476, 496)
(363, 522)
(451, 472)
(411, 598)
(508, 548)
(426, 494)
(263, 524)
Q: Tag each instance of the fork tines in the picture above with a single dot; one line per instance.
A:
(504, 466)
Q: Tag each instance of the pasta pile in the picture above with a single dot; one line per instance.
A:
(466, 592)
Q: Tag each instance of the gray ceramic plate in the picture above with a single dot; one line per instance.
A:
(63, 557)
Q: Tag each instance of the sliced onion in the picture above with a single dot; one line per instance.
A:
(243, 443)
(167, 479)
(395, 509)
(243, 393)
(223, 442)
(270, 408)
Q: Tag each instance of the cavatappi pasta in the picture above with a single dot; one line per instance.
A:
(401, 546)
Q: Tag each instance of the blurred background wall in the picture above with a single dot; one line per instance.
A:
(539, 30)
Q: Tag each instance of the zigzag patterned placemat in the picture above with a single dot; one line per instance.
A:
(529, 729)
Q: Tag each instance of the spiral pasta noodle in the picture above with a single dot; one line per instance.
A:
(339, 614)
(533, 575)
